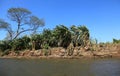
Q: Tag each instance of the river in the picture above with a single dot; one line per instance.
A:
(59, 67)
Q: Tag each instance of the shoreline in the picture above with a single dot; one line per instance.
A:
(52, 57)
(60, 53)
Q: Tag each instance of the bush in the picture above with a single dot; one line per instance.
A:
(6, 52)
(45, 52)
(4, 45)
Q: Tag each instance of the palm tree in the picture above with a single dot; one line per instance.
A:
(26, 41)
(47, 37)
(80, 35)
(62, 35)
(84, 34)
(36, 41)
(5, 45)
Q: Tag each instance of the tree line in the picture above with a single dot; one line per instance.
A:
(60, 36)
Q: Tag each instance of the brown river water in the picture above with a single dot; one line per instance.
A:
(60, 67)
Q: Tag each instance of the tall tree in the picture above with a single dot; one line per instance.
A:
(62, 35)
(21, 17)
(85, 35)
(80, 35)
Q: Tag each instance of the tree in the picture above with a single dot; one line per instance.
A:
(25, 22)
(62, 35)
(26, 42)
(80, 35)
(4, 45)
(116, 41)
(47, 37)
(6, 26)
(36, 41)
(85, 36)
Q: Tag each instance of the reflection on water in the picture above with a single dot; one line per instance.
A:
(59, 67)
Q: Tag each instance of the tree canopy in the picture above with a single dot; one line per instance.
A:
(24, 20)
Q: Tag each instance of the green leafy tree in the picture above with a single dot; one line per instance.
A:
(116, 41)
(26, 42)
(17, 44)
(47, 36)
(80, 35)
(36, 41)
(85, 36)
(62, 35)
(4, 45)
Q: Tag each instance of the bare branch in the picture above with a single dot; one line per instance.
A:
(22, 17)
(22, 32)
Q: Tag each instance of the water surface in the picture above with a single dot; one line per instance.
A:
(59, 67)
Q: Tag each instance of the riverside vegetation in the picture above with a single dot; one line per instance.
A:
(60, 42)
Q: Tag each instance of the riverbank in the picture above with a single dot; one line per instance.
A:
(61, 53)
(51, 57)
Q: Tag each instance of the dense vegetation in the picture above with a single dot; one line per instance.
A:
(60, 36)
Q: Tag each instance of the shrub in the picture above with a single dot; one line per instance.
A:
(6, 52)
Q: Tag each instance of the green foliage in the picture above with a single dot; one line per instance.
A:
(48, 37)
(46, 52)
(46, 46)
(80, 35)
(26, 41)
(20, 43)
(60, 36)
(116, 41)
(4, 45)
(3, 24)
(18, 14)
(17, 44)
(6, 52)
(36, 41)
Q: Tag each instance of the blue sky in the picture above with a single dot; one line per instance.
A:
(102, 17)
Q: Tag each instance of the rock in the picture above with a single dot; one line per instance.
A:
(21, 54)
(54, 56)
(88, 54)
(31, 53)
(62, 52)
(76, 52)
(102, 54)
(57, 50)
(37, 53)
